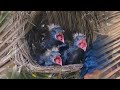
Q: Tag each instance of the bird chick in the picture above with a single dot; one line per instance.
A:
(56, 32)
(44, 39)
(80, 41)
(53, 57)
(75, 52)
(52, 39)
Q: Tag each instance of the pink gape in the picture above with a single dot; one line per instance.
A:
(58, 60)
(82, 44)
(60, 37)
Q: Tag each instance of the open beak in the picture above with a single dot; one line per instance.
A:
(63, 40)
(83, 44)
(58, 60)
(60, 64)
(60, 37)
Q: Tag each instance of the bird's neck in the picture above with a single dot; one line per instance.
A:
(49, 42)
(48, 61)
(74, 47)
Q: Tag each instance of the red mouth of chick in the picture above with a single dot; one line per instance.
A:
(58, 60)
(82, 44)
(60, 37)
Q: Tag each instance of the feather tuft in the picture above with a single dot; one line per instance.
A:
(77, 34)
(51, 26)
(55, 49)
(47, 53)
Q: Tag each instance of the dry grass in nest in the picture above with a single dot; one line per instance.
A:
(13, 45)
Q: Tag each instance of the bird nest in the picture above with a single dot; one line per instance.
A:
(14, 46)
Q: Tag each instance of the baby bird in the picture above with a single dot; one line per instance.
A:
(74, 54)
(50, 58)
